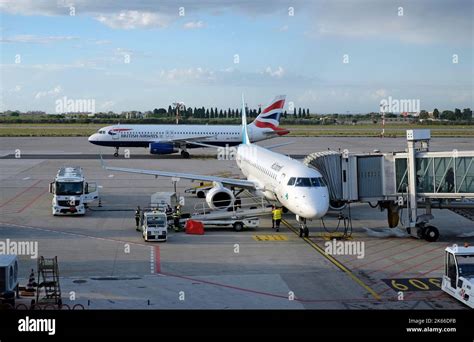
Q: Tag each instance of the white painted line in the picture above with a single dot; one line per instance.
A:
(26, 178)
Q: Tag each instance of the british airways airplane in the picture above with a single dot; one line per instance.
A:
(168, 139)
(275, 176)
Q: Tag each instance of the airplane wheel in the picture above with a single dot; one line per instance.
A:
(238, 226)
(116, 154)
(201, 194)
(301, 232)
(431, 233)
(185, 154)
(306, 232)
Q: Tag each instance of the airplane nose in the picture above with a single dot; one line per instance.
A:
(318, 204)
(93, 138)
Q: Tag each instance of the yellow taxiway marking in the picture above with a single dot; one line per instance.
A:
(277, 237)
(335, 262)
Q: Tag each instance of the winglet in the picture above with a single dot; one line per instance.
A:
(102, 163)
(245, 135)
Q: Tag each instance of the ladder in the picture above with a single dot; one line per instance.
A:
(49, 290)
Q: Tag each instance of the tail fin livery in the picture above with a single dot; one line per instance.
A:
(245, 135)
(270, 116)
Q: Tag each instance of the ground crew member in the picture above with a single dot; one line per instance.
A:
(137, 218)
(273, 221)
(277, 217)
(176, 218)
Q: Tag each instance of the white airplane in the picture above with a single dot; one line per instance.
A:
(278, 177)
(168, 139)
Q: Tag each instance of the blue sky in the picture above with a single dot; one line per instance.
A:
(191, 58)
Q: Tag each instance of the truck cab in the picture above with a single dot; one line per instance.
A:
(71, 192)
(458, 278)
(155, 226)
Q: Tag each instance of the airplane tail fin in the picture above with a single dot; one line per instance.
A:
(245, 135)
(270, 116)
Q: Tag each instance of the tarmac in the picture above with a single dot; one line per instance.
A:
(105, 264)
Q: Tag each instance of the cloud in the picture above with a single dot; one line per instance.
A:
(56, 90)
(421, 22)
(107, 105)
(128, 20)
(192, 25)
(188, 75)
(379, 93)
(28, 38)
(284, 28)
(278, 72)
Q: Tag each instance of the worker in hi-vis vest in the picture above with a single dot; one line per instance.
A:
(276, 215)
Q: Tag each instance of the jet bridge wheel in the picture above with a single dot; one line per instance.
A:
(430, 233)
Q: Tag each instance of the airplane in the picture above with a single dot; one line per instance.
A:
(277, 177)
(168, 139)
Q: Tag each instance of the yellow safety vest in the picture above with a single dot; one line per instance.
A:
(277, 214)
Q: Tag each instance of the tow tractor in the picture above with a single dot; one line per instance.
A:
(154, 226)
(458, 278)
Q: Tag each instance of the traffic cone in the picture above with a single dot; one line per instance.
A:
(30, 287)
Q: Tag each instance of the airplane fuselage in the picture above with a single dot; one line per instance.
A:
(144, 135)
(278, 177)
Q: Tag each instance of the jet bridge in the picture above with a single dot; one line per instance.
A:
(412, 179)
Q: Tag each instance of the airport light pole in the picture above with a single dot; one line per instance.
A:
(178, 107)
(382, 111)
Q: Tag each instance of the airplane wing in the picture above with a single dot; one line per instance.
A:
(241, 183)
(278, 145)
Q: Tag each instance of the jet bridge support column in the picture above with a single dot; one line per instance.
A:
(418, 225)
(412, 202)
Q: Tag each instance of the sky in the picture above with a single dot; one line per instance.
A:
(336, 56)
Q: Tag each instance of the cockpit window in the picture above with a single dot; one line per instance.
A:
(291, 181)
(303, 182)
(308, 182)
(101, 132)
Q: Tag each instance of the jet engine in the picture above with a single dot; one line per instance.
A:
(162, 148)
(220, 197)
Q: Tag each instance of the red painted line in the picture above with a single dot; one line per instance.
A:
(409, 268)
(32, 201)
(378, 243)
(157, 259)
(18, 195)
(387, 256)
(382, 250)
(403, 260)
(285, 296)
(433, 269)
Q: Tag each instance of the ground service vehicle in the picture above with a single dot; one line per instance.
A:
(458, 278)
(71, 192)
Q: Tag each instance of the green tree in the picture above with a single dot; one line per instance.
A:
(424, 115)
(436, 113)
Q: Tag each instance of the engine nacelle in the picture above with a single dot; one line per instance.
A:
(162, 148)
(220, 197)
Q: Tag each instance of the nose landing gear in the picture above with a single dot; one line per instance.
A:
(304, 231)
(116, 154)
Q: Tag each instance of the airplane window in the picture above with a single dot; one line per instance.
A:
(303, 182)
(292, 181)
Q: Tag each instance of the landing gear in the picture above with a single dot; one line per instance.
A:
(430, 233)
(304, 231)
(116, 154)
(185, 154)
(424, 231)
